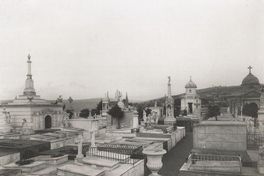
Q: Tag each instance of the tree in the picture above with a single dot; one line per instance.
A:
(148, 111)
(99, 107)
(84, 113)
(252, 111)
(213, 111)
(70, 112)
(117, 113)
(94, 112)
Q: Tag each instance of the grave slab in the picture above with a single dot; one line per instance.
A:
(79, 170)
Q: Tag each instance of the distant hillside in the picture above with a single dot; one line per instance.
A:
(78, 105)
(206, 93)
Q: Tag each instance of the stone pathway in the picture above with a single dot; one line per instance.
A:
(173, 160)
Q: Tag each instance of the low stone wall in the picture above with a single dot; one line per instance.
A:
(87, 124)
(220, 135)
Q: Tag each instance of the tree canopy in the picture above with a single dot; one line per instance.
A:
(84, 113)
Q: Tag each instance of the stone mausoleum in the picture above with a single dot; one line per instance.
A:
(30, 111)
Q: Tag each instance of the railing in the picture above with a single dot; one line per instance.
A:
(254, 140)
(208, 157)
(128, 154)
(202, 161)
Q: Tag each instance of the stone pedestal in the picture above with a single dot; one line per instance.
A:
(169, 121)
(80, 142)
(154, 160)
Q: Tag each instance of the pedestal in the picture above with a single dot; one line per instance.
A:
(169, 121)
(154, 160)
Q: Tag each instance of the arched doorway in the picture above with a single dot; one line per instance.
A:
(47, 122)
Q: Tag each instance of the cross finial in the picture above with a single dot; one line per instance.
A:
(250, 68)
(29, 56)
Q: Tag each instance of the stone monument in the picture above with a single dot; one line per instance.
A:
(5, 126)
(261, 111)
(169, 119)
(80, 145)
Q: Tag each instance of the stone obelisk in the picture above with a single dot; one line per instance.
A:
(169, 119)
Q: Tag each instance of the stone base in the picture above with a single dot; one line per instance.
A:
(135, 130)
(169, 121)
(261, 169)
(29, 168)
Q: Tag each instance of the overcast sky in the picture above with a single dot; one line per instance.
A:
(83, 48)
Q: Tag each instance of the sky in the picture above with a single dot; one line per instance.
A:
(84, 48)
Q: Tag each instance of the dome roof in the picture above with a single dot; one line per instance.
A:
(190, 84)
(250, 79)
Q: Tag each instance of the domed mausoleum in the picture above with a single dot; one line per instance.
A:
(250, 79)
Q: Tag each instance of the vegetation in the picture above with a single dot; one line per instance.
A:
(99, 107)
(70, 112)
(117, 113)
(84, 113)
(213, 111)
(252, 111)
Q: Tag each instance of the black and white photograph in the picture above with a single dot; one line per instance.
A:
(131, 87)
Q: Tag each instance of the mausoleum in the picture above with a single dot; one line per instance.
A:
(30, 111)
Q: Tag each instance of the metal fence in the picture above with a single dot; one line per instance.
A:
(194, 158)
(254, 140)
(128, 154)
(208, 157)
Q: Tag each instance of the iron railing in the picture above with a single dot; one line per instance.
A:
(128, 154)
(195, 158)
(254, 140)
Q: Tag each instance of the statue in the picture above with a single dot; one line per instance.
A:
(118, 95)
(169, 81)
(65, 120)
(7, 116)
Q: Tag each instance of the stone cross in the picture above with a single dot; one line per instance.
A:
(250, 68)
(196, 104)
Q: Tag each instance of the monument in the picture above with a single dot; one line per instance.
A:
(38, 113)
(5, 122)
(190, 101)
(169, 119)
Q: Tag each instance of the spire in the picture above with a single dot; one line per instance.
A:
(126, 100)
(29, 86)
(169, 86)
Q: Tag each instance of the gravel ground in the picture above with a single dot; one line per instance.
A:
(173, 160)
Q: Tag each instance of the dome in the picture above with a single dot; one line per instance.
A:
(190, 84)
(250, 79)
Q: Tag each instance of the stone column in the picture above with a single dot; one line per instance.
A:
(80, 144)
